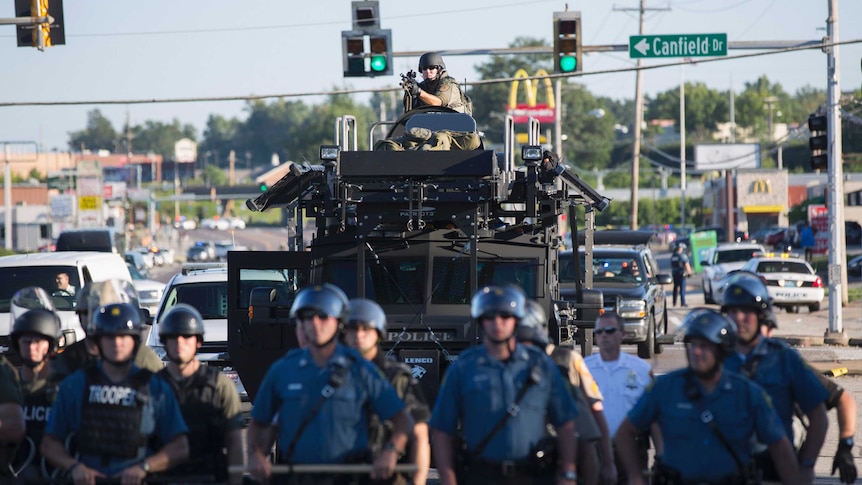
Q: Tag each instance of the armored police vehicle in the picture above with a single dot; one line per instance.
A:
(417, 229)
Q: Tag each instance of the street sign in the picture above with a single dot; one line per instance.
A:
(677, 45)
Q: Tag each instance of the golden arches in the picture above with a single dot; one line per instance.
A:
(532, 90)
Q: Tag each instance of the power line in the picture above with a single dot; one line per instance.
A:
(253, 97)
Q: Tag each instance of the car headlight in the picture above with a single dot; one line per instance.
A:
(633, 309)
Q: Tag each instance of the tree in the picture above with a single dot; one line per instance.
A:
(704, 109)
(752, 108)
(99, 134)
(159, 137)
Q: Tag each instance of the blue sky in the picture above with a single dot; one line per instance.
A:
(186, 48)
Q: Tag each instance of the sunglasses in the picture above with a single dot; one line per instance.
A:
(427, 68)
(491, 316)
(609, 330)
(310, 314)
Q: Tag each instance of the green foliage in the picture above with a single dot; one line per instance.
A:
(704, 109)
(99, 134)
(159, 138)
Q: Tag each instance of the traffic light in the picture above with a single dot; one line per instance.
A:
(263, 187)
(381, 55)
(367, 53)
(52, 34)
(818, 143)
(567, 42)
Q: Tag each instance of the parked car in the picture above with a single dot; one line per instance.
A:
(201, 251)
(791, 282)
(219, 224)
(722, 259)
(236, 223)
(854, 266)
(628, 276)
(149, 291)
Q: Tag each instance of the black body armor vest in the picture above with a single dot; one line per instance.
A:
(111, 415)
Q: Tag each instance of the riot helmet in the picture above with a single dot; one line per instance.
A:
(181, 319)
(117, 319)
(366, 312)
(29, 298)
(82, 306)
(39, 322)
(534, 326)
(712, 326)
(102, 293)
(431, 59)
(326, 299)
(493, 300)
(745, 289)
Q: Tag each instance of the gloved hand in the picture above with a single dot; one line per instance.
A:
(411, 87)
(843, 462)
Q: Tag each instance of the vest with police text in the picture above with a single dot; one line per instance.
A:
(111, 415)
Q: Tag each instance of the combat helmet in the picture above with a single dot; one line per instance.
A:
(117, 319)
(40, 322)
(492, 300)
(326, 299)
(534, 326)
(181, 319)
(431, 59)
(366, 312)
(745, 289)
(712, 326)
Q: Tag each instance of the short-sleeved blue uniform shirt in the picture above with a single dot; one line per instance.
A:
(740, 408)
(783, 374)
(161, 417)
(293, 386)
(478, 389)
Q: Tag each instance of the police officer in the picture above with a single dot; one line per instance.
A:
(533, 330)
(34, 337)
(115, 410)
(85, 353)
(778, 368)
(437, 88)
(12, 427)
(208, 400)
(364, 331)
(705, 411)
(480, 392)
(845, 411)
(680, 269)
(322, 394)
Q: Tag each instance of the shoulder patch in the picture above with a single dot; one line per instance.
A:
(444, 87)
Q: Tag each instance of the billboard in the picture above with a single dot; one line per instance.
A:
(726, 156)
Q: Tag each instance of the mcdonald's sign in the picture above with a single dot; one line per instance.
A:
(761, 186)
(522, 112)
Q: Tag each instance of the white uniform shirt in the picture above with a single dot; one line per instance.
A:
(621, 382)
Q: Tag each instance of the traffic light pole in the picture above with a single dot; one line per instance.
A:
(837, 273)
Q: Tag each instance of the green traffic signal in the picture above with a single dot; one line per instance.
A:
(568, 63)
(378, 63)
(263, 187)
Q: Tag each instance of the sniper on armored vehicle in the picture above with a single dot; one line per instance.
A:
(417, 227)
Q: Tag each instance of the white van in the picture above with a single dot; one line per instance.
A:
(41, 269)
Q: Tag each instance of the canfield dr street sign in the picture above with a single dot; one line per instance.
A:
(677, 45)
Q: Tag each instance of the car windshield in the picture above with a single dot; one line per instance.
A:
(45, 277)
(209, 298)
(735, 255)
(783, 267)
(621, 269)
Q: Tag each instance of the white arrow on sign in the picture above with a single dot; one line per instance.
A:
(642, 47)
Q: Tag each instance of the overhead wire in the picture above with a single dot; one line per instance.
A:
(253, 97)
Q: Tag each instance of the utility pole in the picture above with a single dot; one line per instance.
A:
(837, 274)
(639, 115)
